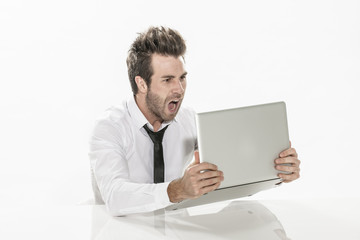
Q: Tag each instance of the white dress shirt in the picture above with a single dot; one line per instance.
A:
(121, 156)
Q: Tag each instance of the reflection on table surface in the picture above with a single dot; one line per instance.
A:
(296, 219)
(229, 220)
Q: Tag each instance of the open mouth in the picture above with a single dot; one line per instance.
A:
(173, 106)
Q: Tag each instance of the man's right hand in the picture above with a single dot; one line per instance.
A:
(199, 178)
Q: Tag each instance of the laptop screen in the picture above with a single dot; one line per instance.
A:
(244, 142)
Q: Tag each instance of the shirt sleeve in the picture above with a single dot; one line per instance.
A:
(120, 195)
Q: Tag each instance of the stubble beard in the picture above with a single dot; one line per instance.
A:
(157, 107)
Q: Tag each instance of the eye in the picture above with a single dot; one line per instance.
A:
(182, 78)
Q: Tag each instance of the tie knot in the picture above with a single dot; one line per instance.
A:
(156, 137)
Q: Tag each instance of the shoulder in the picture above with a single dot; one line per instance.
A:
(115, 114)
(114, 119)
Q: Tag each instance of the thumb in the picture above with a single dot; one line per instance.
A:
(197, 158)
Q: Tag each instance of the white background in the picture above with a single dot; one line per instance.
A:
(62, 63)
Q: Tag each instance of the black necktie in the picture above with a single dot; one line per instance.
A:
(157, 138)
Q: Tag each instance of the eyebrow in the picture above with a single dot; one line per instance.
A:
(172, 76)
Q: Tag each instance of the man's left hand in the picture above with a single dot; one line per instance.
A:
(290, 158)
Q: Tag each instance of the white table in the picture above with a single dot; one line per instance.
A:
(238, 219)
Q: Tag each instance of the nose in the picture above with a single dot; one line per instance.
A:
(179, 87)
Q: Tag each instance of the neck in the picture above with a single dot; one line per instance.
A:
(152, 119)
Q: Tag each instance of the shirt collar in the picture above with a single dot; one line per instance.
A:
(139, 118)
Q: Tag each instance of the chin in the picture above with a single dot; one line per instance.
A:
(169, 116)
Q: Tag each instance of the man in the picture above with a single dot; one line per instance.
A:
(140, 153)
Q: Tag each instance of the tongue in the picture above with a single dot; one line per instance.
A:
(172, 106)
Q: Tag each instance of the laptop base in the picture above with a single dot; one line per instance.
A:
(227, 194)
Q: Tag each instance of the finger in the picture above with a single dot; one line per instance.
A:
(288, 160)
(208, 189)
(290, 143)
(197, 158)
(210, 181)
(289, 152)
(203, 166)
(289, 177)
(290, 169)
(211, 174)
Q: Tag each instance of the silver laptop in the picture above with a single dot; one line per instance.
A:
(243, 143)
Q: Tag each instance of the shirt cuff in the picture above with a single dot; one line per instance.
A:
(161, 197)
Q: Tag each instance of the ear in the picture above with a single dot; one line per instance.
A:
(141, 84)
